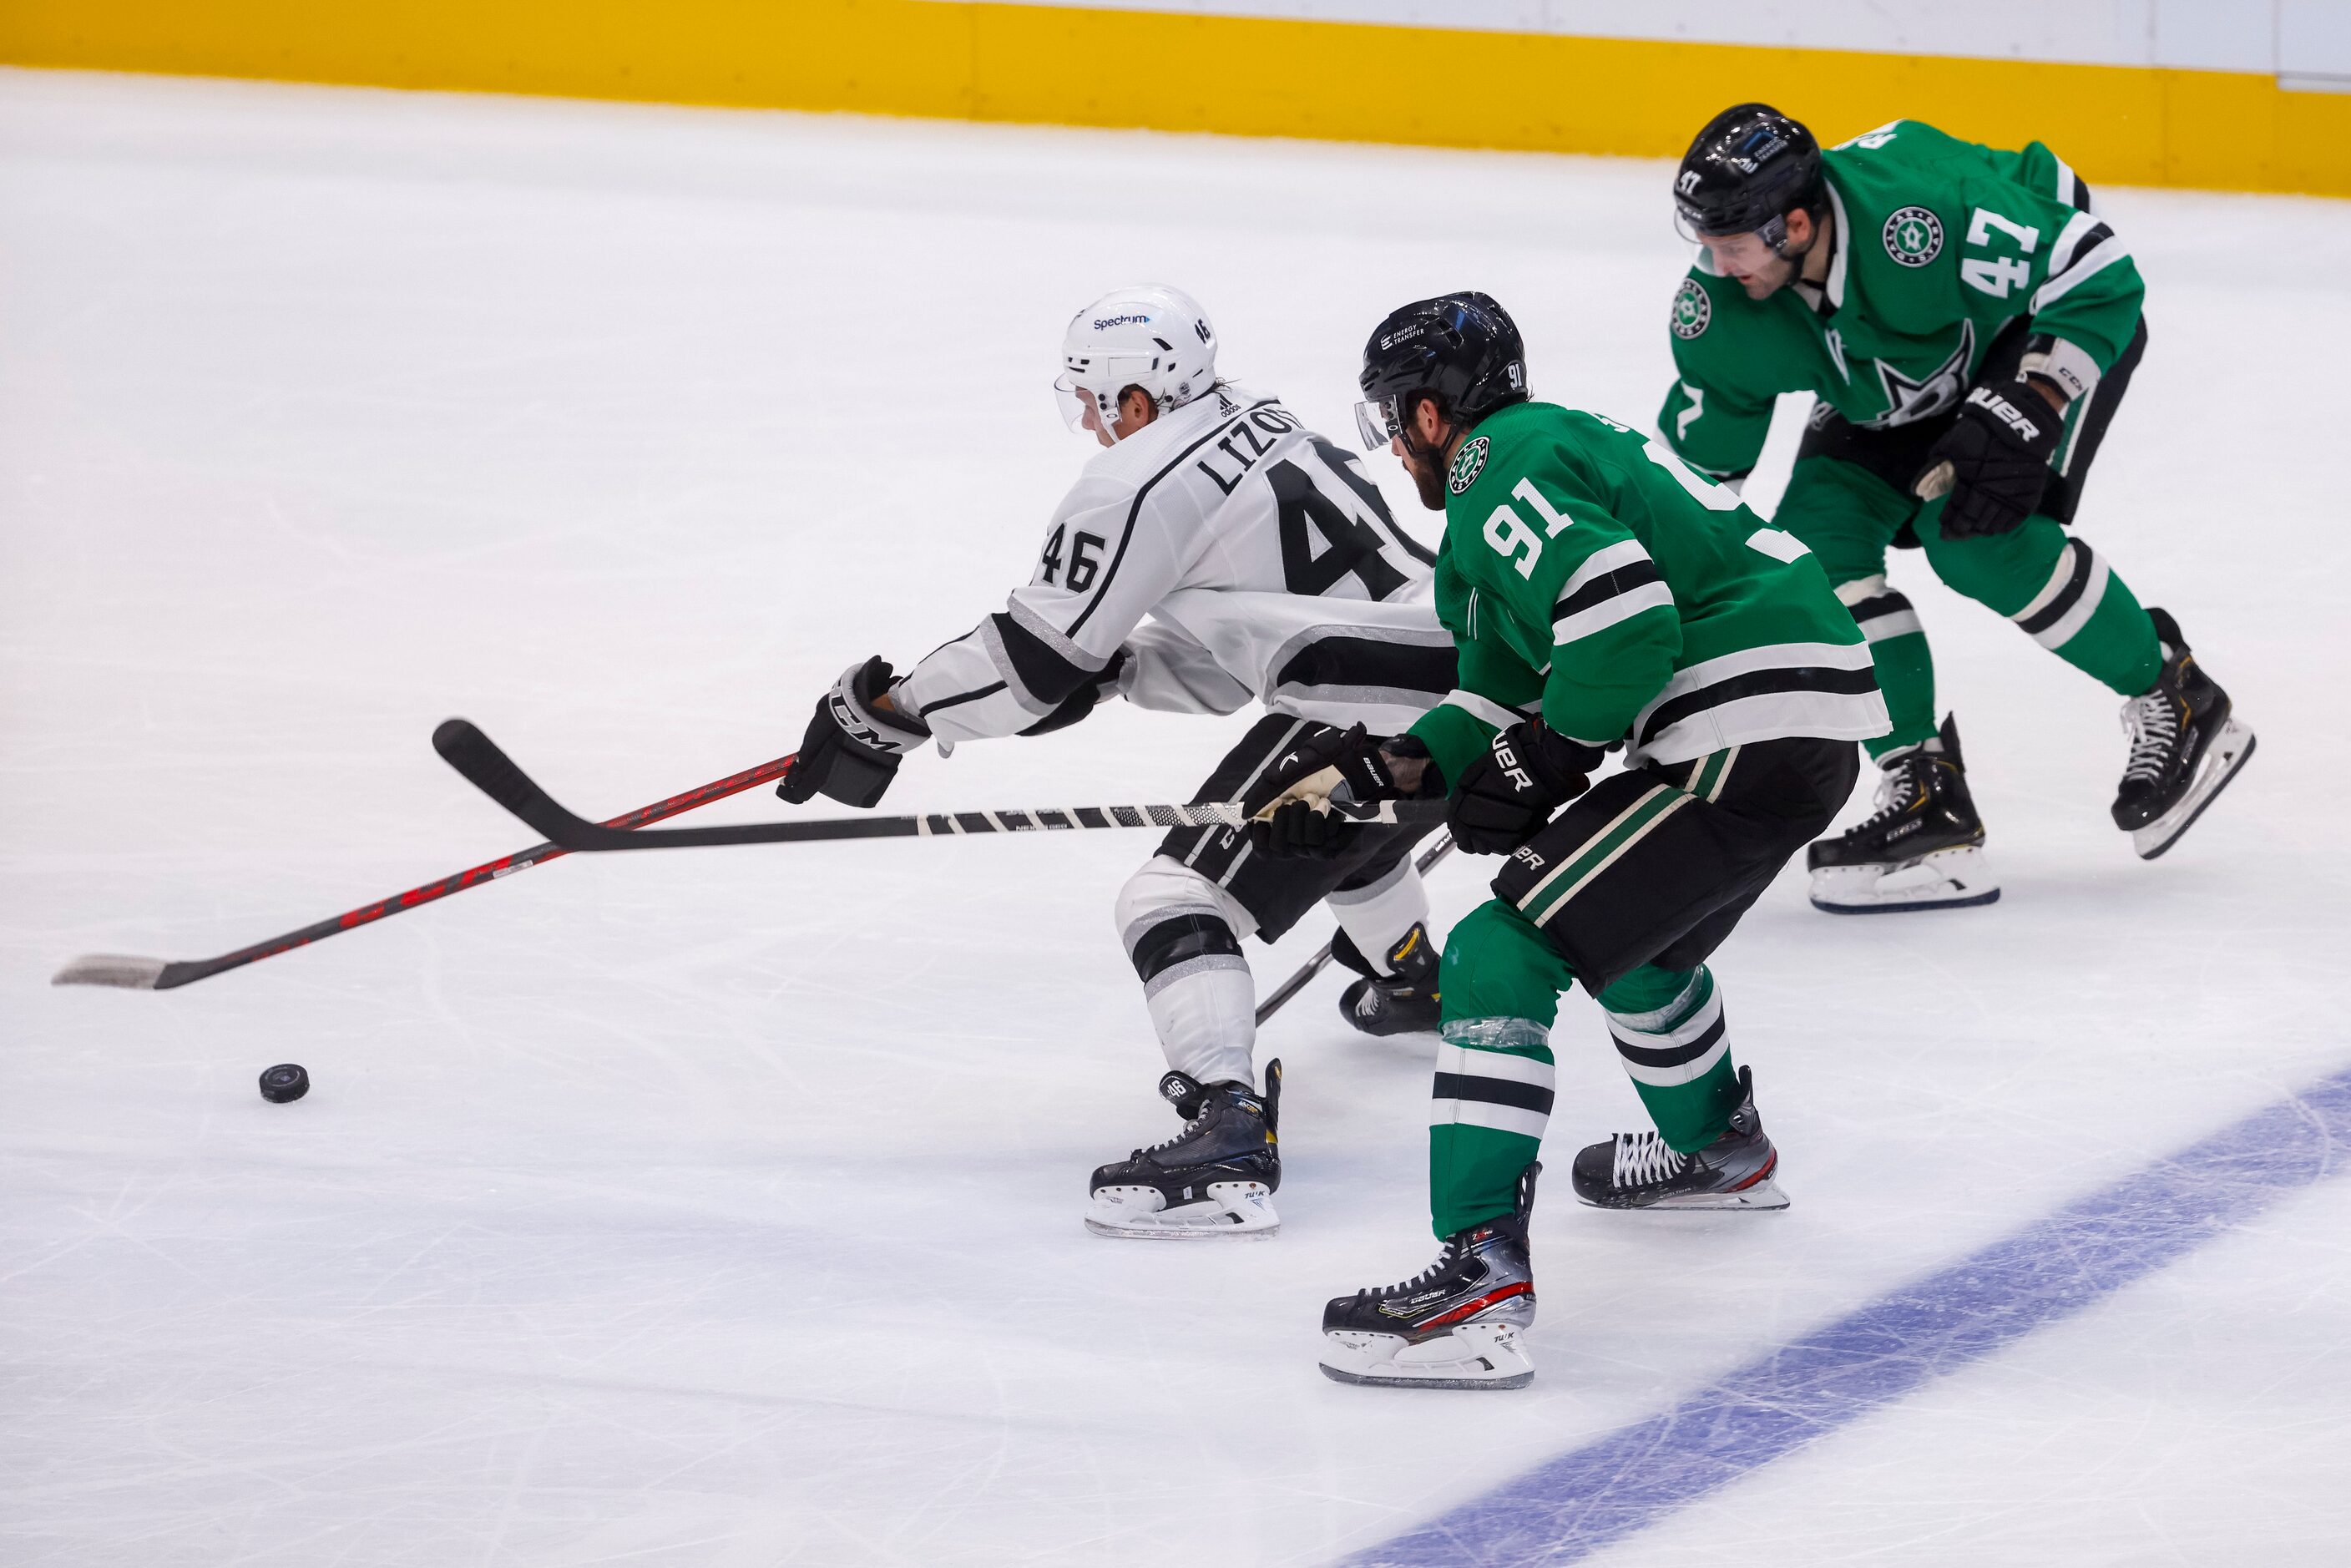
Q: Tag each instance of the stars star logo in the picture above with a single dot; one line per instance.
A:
(1914, 237)
(1911, 399)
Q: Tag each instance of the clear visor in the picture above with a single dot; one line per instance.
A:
(1076, 402)
(1740, 253)
(1376, 422)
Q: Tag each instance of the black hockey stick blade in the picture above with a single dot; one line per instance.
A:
(465, 747)
(126, 970)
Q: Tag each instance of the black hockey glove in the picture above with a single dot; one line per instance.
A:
(851, 749)
(1289, 807)
(1080, 702)
(1993, 461)
(1508, 793)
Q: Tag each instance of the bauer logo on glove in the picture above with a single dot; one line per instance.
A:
(1509, 791)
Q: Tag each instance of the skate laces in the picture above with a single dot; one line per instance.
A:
(2152, 723)
(1444, 1260)
(1645, 1157)
(1210, 1100)
(1897, 790)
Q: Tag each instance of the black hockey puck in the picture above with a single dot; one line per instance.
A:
(284, 1082)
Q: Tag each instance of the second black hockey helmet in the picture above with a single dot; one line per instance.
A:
(1463, 349)
(1747, 171)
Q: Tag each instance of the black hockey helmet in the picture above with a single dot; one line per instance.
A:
(1749, 169)
(1463, 349)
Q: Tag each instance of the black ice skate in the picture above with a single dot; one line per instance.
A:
(1215, 1177)
(1456, 1324)
(1923, 847)
(2184, 748)
(1399, 1002)
(1641, 1170)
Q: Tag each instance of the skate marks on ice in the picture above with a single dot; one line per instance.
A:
(1590, 1498)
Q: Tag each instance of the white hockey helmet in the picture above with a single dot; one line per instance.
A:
(1150, 337)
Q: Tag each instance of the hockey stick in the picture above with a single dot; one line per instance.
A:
(156, 975)
(1322, 960)
(491, 772)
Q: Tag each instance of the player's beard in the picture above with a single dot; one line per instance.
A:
(1428, 479)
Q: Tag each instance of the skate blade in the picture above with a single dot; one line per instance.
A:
(1473, 1356)
(1763, 1198)
(1232, 1209)
(2220, 764)
(1947, 879)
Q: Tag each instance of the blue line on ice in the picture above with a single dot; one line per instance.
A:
(1571, 1507)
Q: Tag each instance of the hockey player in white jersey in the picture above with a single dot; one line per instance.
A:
(1216, 553)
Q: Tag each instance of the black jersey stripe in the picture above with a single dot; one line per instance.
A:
(1492, 1090)
(1040, 668)
(1607, 586)
(1672, 1055)
(1126, 534)
(1341, 660)
(2076, 582)
(1888, 603)
(1756, 683)
(2097, 235)
(970, 696)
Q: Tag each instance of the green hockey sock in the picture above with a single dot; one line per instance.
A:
(2116, 643)
(1487, 1112)
(1906, 674)
(1668, 1030)
(1492, 1100)
(1905, 668)
(2061, 593)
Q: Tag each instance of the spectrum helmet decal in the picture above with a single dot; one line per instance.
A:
(1151, 337)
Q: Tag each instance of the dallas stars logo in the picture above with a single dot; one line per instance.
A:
(1914, 237)
(1467, 464)
(1908, 400)
(1692, 309)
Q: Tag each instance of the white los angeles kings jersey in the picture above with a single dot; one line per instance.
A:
(1268, 567)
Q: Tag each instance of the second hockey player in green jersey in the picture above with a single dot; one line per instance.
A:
(1968, 325)
(1599, 594)
(1622, 598)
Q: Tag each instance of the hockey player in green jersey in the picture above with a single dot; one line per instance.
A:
(1968, 325)
(1599, 594)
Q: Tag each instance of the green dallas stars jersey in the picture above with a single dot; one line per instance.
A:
(1589, 575)
(1939, 244)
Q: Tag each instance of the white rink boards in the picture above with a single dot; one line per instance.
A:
(722, 1207)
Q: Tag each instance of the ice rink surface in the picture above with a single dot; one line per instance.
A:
(722, 1207)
